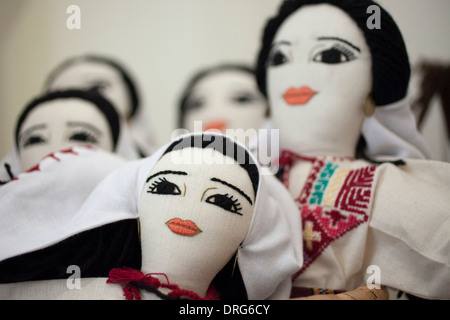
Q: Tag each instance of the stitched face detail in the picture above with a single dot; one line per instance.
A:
(318, 76)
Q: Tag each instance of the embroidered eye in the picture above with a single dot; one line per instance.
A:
(336, 54)
(225, 201)
(277, 58)
(34, 139)
(162, 186)
(84, 136)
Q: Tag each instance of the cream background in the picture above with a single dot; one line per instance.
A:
(164, 42)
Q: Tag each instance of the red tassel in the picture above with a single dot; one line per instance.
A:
(121, 275)
(127, 275)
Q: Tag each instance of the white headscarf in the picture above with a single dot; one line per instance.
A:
(37, 206)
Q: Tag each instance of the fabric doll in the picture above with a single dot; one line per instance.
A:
(351, 155)
(113, 80)
(62, 119)
(223, 97)
(212, 224)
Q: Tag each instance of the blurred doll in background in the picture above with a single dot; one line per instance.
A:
(112, 80)
(63, 119)
(223, 97)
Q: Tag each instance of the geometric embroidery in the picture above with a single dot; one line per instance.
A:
(354, 195)
(334, 200)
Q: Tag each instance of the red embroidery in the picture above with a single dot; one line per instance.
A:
(354, 195)
(306, 191)
(323, 224)
(53, 155)
(127, 275)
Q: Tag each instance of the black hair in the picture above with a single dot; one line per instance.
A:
(95, 252)
(125, 74)
(183, 105)
(224, 145)
(92, 96)
(390, 63)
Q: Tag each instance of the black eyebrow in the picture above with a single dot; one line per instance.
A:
(234, 188)
(182, 173)
(342, 40)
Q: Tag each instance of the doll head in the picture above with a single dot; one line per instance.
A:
(105, 74)
(195, 210)
(63, 119)
(223, 97)
(318, 66)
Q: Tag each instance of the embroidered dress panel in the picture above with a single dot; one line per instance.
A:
(335, 199)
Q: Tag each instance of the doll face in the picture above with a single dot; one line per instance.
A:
(194, 216)
(318, 76)
(60, 124)
(226, 100)
(87, 75)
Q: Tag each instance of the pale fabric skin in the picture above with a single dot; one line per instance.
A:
(228, 100)
(330, 122)
(57, 127)
(192, 261)
(87, 74)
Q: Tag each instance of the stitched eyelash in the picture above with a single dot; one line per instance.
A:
(88, 136)
(153, 186)
(237, 208)
(164, 187)
(347, 52)
(33, 139)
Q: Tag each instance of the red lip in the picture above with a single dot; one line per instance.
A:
(183, 227)
(217, 125)
(299, 96)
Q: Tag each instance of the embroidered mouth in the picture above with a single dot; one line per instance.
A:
(299, 96)
(183, 227)
(215, 125)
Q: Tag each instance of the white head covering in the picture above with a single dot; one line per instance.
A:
(37, 206)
